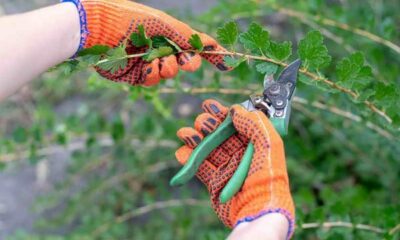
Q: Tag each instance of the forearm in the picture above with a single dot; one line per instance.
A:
(269, 227)
(33, 42)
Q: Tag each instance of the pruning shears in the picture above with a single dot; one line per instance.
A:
(275, 102)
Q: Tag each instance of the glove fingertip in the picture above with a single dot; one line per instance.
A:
(151, 73)
(215, 108)
(211, 45)
(189, 61)
(168, 67)
(183, 154)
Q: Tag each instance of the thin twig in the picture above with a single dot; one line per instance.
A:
(304, 71)
(343, 26)
(79, 143)
(343, 225)
(121, 58)
(394, 230)
(314, 77)
(195, 202)
(149, 208)
(334, 110)
(345, 114)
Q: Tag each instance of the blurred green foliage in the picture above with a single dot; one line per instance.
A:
(341, 169)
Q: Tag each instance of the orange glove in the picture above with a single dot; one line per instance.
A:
(110, 22)
(266, 189)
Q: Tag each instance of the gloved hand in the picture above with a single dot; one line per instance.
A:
(110, 22)
(266, 189)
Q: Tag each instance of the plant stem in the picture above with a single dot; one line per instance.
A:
(124, 57)
(297, 100)
(203, 203)
(342, 224)
(314, 77)
(333, 23)
(304, 71)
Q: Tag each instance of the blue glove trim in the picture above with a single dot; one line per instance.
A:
(82, 20)
(269, 211)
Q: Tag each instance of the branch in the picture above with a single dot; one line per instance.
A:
(343, 26)
(314, 77)
(319, 105)
(121, 58)
(343, 225)
(394, 230)
(196, 202)
(345, 114)
(79, 143)
(304, 71)
(149, 208)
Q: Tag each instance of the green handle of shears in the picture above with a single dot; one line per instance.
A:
(209, 143)
(238, 178)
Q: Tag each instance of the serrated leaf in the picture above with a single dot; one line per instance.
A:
(233, 62)
(2, 166)
(228, 33)
(117, 129)
(158, 53)
(161, 41)
(280, 51)
(89, 59)
(365, 95)
(317, 84)
(116, 60)
(386, 95)
(256, 39)
(352, 72)
(267, 68)
(95, 50)
(196, 42)
(140, 39)
(313, 52)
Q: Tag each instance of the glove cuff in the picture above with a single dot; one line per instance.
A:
(261, 196)
(109, 22)
(282, 211)
(82, 21)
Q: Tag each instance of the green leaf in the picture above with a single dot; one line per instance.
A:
(196, 42)
(95, 50)
(117, 59)
(267, 68)
(157, 53)
(140, 39)
(256, 39)
(89, 60)
(20, 135)
(117, 129)
(386, 95)
(161, 41)
(228, 33)
(2, 166)
(313, 52)
(317, 84)
(352, 72)
(233, 62)
(280, 51)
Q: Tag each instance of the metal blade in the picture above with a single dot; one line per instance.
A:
(288, 76)
(268, 80)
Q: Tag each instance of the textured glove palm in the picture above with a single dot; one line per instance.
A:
(110, 22)
(266, 188)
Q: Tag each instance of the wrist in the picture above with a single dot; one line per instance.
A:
(82, 21)
(273, 226)
(260, 197)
